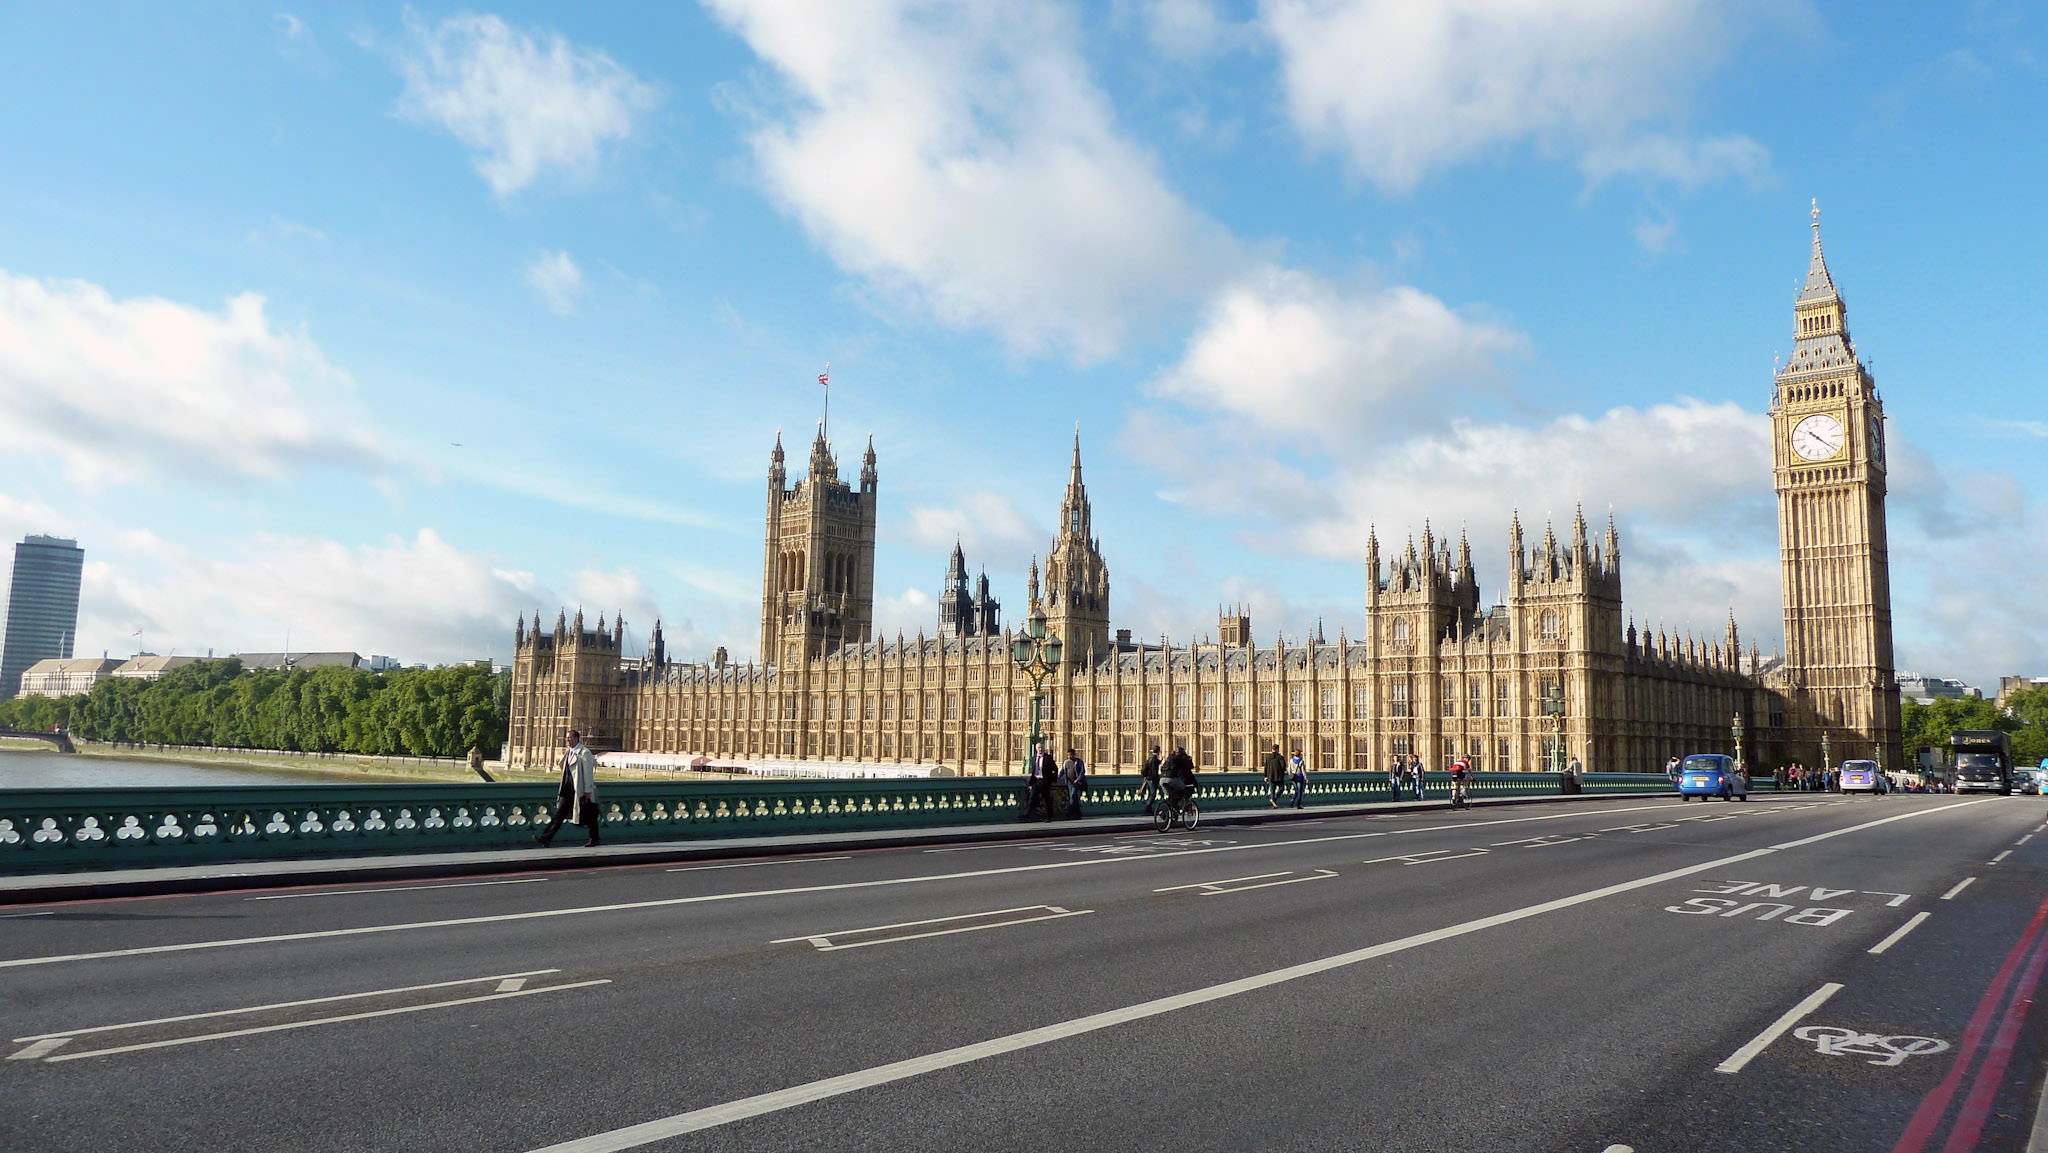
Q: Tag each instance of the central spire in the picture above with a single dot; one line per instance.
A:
(1819, 285)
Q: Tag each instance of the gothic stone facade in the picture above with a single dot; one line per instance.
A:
(1434, 672)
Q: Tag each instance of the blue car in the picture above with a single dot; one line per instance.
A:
(1711, 775)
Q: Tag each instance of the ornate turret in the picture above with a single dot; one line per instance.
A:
(867, 466)
(778, 476)
(1076, 578)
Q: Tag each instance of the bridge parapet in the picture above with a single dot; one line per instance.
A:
(60, 739)
(70, 830)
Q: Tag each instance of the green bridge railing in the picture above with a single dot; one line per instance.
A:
(68, 830)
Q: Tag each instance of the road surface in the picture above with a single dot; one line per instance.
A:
(1800, 973)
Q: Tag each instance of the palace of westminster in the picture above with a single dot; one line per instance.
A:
(1434, 672)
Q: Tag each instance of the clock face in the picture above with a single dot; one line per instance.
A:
(1877, 439)
(1817, 437)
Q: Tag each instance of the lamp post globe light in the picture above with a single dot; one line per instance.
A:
(1036, 655)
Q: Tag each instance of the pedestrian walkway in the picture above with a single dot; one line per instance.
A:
(243, 875)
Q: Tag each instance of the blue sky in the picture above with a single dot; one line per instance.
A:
(379, 325)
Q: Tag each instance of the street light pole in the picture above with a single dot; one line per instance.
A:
(1036, 655)
(1737, 728)
(1553, 711)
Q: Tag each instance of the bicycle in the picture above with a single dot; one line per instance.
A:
(1461, 793)
(1172, 808)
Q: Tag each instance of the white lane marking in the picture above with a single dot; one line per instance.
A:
(41, 1048)
(2023, 840)
(1999, 857)
(1428, 858)
(1897, 899)
(1960, 886)
(667, 902)
(1911, 924)
(282, 1005)
(824, 943)
(752, 864)
(1238, 885)
(307, 1024)
(44, 913)
(393, 889)
(1619, 1149)
(511, 984)
(1776, 1029)
(712, 1116)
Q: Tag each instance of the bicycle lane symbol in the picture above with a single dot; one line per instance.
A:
(1840, 1041)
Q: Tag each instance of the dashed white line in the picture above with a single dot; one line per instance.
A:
(752, 864)
(284, 1005)
(2023, 840)
(1911, 924)
(1960, 886)
(393, 889)
(2000, 857)
(1776, 1029)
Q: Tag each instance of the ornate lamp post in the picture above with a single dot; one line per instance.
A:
(1037, 655)
(1827, 766)
(1553, 712)
(1737, 729)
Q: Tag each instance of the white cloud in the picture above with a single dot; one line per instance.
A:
(1675, 160)
(959, 160)
(915, 610)
(1188, 29)
(987, 525)
(1297, 356)
(560, 283)
(116, 390)
(1406, 89)
(418, 600)
(523, 104)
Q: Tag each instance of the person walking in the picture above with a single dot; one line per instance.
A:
(1075, 775)
(576, 799)
(1394, 778)
(1419, 774)
(1043, 774)
(1671, 770)
(1275, 767)
(1148, 780)
(1297, 772)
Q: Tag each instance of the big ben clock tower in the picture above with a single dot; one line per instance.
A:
(1828, 447)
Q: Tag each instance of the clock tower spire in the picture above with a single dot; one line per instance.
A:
(1829, 467)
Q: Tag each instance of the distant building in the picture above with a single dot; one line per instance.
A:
(149, 666)
(42, 606)
(65, 676)
(1927, 690)
(2007, 686)
(379, 663)
(299, 660)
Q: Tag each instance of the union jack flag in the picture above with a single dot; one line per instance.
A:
(824, 378)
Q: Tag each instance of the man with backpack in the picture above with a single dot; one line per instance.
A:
(1148, 775)
(1074, 775)
(1297, 771)
(1275, 767)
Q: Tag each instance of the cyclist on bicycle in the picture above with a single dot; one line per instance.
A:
(1177, 776)
(1461, 776)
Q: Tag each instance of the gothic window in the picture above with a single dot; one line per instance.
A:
(1400, 632)
(1151, 704)
(1450, 696)
(889, 708)
(1130, 706)
(952, 706)
(1361, 754)
(973, 706)
(1450, 750)
(1180, 705)
(1329, 759)
(1102, 750)
(1102, 705)
(1326, 705)
(1237, 704)
(1548, 626)
(1080, 704)
(973, 747)
(1502, 763)
(952, 747)
(815, 712)
(1237, 752)
(1401, 746)
(1295, 708)
(1266, 704)
(1208, 704)
(1052, 706)
(1397, 699)
(931, 707)
(1361, 703)
(1501, 706)
(1017, 705)
(867, 708)
(1130, 750)
(1208, 750)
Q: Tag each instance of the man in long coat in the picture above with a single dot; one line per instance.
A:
(576, 799)
(1275, 767)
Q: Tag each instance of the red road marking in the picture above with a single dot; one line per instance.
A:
(1925, 1119)
(1977, 1106)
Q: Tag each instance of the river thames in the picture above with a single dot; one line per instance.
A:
(34, 769)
